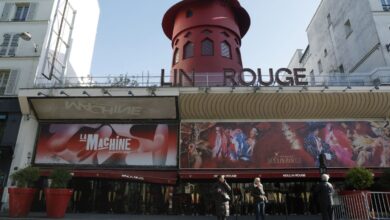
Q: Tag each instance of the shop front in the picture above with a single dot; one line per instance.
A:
(10, 117)
(159, 153)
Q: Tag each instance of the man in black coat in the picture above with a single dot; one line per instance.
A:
(222, 195)
(324, 192)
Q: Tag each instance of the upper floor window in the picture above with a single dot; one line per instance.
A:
(9, 45)
(176, 56)
(4, 75)
(207, 47)
(188, 50)
(225, 50)
(386, 5)
(8, 80)
(189, 13)
(21, 11)
(348, 28)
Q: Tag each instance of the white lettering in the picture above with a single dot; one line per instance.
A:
(92, 142)
(103, 109)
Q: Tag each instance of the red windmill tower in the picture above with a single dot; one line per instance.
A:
(206, 39)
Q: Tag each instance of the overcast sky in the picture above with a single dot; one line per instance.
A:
(130, 39)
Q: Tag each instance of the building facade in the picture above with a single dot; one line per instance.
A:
(42, 42)
(347, 38)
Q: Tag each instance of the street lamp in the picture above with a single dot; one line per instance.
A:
(27, 37)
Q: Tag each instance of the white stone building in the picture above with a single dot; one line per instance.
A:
(66, 41)
(41, 42)
(348, 41)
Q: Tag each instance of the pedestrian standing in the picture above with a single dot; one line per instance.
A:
(324, 192)
(222, 195)
(259, 199)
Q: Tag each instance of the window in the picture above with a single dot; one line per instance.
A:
(348, 28)
(9, 44)
(188, 50)
(386, 5)
(189, 13)
(5, 44)
(21, 12)
(207, 47)
(176, 56)
(14, 45)
(4, 75)
(325, 53)
(225, 50)
(320, 66)
(3, 118)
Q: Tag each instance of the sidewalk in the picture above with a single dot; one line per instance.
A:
(93, 216)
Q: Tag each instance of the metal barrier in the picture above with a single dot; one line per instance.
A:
(362, 205)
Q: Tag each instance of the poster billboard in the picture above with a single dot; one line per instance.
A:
(111, 145)
(284, 145)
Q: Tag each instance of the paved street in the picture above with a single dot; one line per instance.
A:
(36, 216)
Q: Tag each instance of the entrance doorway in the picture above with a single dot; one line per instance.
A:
(184, 198)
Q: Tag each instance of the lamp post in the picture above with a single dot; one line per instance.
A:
(27, 37)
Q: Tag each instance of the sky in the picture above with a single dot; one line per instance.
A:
(130, 39)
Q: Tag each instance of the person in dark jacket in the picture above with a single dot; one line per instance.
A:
(259, 199)
(324, 192)
(222, 195)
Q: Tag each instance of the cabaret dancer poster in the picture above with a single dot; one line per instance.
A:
(283, 145)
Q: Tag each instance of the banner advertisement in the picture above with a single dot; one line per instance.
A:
(107, 144)
(103, 108)
(283, 145)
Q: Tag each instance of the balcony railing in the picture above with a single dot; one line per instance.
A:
(376, 79)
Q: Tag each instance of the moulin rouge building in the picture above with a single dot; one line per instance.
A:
(157, 149)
